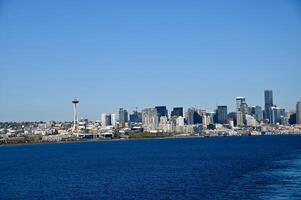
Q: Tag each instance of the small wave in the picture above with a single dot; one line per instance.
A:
(279, 180)
(285, 180)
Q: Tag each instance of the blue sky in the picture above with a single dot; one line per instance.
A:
(113, 54)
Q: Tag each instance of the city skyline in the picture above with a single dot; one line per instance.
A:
(143, 54)
(165, 110)
(131, 99)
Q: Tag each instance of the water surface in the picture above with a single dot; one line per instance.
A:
(196, 168)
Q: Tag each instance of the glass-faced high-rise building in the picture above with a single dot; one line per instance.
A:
(268, 103)
(136, 117)
(275, 114)
(258, 113)
(161, 111)
(222, 114)
(123, 116)
(177, 112)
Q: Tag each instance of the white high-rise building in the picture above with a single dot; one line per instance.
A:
(163, 120)
(180, 121)
(105, 119)
(113, 119)
(150, 119)
(251, 121)
(108, 119)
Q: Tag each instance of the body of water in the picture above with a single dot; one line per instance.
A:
(266, 167)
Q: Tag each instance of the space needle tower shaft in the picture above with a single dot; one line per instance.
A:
(75, 114)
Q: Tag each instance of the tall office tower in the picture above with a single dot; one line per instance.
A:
(239, 118)
(222, 114)
(75, 113)
(268, 103)
(123, 116)
(275, 114)
(177, 112)
(108, 120)
(284, 120)
(197, 118)
(206, 120)
(136, 117)
(113, 119)
(189, 116)
(105, 119)
(242, 106)
(161, 111)
(258, 113)
(201, 117)
(298, 112)
(201, 112)
(245, 111)
(150, 118)
(251, 110)
(210, 117)
(292, 118)
(239, 101)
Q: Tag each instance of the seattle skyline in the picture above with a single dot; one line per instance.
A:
(142, 54)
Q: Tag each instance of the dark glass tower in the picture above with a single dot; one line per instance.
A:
(177, 112)
(222, 114)
(136, 117)
(162, 111)
(268, 103)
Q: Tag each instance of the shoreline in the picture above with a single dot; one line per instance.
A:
(137, 139)
(97, 140)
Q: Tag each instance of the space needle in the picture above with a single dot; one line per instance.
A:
(75, 114)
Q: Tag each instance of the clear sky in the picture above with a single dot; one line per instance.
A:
(130, 53)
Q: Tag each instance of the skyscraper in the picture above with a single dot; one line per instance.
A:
(176, 112)
(292, 118)
(239, 101)
(161, 111)
(113, 119)
(150, 118)
(105, 119)
(252, 110)
(244, 108)
(258, 113)
(136, 117)
(197, 118)
(222, 114)
(275, 114)
(268, 103)
(298, 112)
(239, 118)
(123, 116)
(189, 115)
